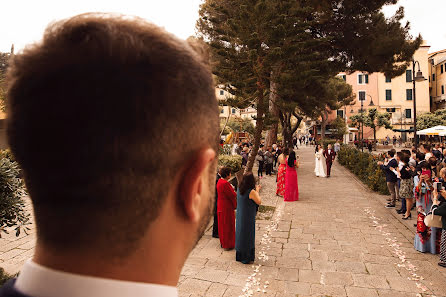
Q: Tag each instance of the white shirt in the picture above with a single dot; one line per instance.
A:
(428, 155)
(38, 281)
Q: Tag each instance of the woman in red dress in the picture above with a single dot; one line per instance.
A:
(281, 172)
(226, 204)
(291, 185)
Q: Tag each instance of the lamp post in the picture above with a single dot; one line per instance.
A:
(362, 99)
(416, 78)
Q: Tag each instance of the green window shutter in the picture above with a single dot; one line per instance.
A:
(360, 79)
(388, 79)
(366, 78)
(388, 95)
(409, 94)
(408, 75)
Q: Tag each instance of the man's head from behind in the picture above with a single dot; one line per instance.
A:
(115, 124)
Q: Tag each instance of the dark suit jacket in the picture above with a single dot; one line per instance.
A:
(390, 176)
(329, 158)
(8, 290)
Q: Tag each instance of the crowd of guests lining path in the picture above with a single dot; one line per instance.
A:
(417, 178)
(236, 210)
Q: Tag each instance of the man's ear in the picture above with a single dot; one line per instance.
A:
(194, 184)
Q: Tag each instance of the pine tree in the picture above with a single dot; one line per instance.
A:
(296, 47)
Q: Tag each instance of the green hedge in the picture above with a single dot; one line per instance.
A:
(233, 162)
(364, 166)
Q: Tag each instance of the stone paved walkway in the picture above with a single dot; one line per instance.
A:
(337, 240)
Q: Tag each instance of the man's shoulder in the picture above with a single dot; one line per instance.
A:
(8, 290)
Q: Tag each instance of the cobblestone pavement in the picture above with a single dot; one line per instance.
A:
(337, 240)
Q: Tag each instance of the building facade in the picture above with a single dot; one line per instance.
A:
(229, 111)
(437, 79)
(392, 95)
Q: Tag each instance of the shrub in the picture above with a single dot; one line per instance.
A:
(4, 276)
(365, 167)
(12, 191)
(233, 162)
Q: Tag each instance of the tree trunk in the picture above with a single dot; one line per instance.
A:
(271, 134)
(374, 136)
(257, 133)
(324, 118)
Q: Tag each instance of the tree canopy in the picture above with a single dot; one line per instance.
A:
(299, 46)
(431, 119)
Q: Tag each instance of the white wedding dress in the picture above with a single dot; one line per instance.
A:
(319, 168)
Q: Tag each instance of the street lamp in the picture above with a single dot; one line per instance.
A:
(362, 99)
(416, 78)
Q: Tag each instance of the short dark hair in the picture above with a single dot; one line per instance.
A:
(225, 172)
(248, 183)
(101, 116)
(391, 153)
(420, 156)
(405, 159)
(427, 147)
(400, 155)
(286, 151)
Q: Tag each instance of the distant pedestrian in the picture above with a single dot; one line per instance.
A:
(269, 160)
(337, 147)
(261, 161)
(439, 209)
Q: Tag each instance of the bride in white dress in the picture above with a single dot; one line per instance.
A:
(319, 169)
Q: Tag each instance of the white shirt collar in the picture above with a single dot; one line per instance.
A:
(38, 281)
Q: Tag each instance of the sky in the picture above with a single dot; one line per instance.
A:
(23, 21)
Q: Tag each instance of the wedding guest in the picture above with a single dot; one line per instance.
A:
(114, 216)
(391, 177)
(215, 224)
(245, 155)
(291, 183)
(227, 203)
(406, 187)
(439, 209)
(248, 200)
(421, 159)
(426, 149)
(269, 159)
(425, 237)
(433, 163)
(260, 159)
(280, 190)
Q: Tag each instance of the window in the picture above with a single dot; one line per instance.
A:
(233, 110)
(388, 95)
(408, 113)
(408, 94)
(442, 90)
(340, 113)
(390, 109)
(433, 77)
(222, 92)
(441, 68)
(388, 79)
(361, 95)
(408, 75)
(363, 79)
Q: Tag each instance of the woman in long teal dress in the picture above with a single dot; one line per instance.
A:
(248, 200)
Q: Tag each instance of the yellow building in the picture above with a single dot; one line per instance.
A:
(393, 95)
(396, 96)
(226, 111)
(437, 79)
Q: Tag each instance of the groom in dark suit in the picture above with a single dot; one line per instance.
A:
(330, 156)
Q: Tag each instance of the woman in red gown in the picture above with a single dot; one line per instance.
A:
(280, 191)
(291, 186)
(226, 204)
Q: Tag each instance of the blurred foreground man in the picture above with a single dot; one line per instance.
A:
(115, 125)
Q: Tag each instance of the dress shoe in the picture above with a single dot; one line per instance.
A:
(400, 211)
(408, 217)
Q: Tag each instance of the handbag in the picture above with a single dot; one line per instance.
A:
(431, 220)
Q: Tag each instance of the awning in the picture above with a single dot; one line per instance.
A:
(404, 130)
(433, 131)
